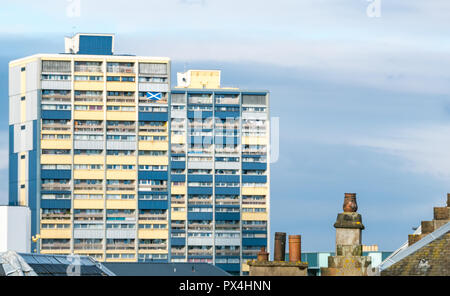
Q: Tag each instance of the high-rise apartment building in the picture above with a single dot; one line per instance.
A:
(116, 166)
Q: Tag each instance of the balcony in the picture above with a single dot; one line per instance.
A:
(120, 69)
(56, 186)
(227, 253)
(88, 217)
(227, 201)
(89, 128)
(152, 129)
(152, 216)
(120, 246)
(195, 226)
(85, 98)
(88, 187)
(228, 101)
(120, 99)
(55, 216)
(56, 98)
(121, 128)
(56, 246)
(88, 68)
(254, 151)
(200, 252)
(87, 246)
(124, 187)
(152, 246)
(178, 252)
(153, 187)
(56, 127)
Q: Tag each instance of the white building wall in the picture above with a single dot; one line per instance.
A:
(15, 229)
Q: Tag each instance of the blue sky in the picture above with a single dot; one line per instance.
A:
(363, 102)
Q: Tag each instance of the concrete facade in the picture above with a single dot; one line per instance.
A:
(15, 229)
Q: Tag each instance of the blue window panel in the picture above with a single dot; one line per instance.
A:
(178, 165)
(226, 140)
(152, 175)
(254, 166)
(254, 179)
(201, 206)
(36, 134)
(178, 241)
(227, 216)
(229, 267)
(200, 140)
(228, 178)
(177, 230)
(55, 192)
(227, 206)
(152, 192)
(199, 216)
(13, 178)
(254, 241)
(200, 190)
(200, 257)
(199, 114)
(200, 178)
(56, 174)
(56, 114)
(153, 116)
(178, 178)
(227, 191)
(99, 45)
(254, 231)
(55, 204)
(153, 204)
(227, 114)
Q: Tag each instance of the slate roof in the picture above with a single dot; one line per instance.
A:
(164, 269)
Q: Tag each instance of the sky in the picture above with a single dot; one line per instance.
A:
(361, 91)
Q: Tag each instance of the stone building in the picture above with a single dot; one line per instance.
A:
(427, 253)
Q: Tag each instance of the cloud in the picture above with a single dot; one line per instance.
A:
(423, 149)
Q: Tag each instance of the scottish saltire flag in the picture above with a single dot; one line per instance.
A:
(154, 96)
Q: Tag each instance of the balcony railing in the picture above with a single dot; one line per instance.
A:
(56, 246)
(120, 246)
(88, 187)
(120, 99)
(152, 246)
(55, 186)
(152, 217)
(87, 246)
(82, 98)
(55, 216)
(85, 68)
(56, 127)
(120, 69)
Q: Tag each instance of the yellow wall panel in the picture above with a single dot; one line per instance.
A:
(88, 115)
(55, 251)
(121, 86)
(121, 175)
(121, 204)
(88, 174)
(178, 216)
(178, 139)
(55, 159)
(113, 159)
(254, 140)
(88, 85)
(56, 233)
(152, 251)
(153, 160)
(121, 115)
(56, 144)
(153, 233)
(178, 189)
(88, 159)
(254, 190)
(254, 216)
(88, 203)
(150, 145)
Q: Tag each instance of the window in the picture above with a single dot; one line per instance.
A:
(22, 98)
(22, 127)
(22, 69)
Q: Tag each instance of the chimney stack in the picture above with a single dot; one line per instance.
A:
(280, 246)
(295, 248)
(263, 256)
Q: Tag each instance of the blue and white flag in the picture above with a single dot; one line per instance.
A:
(154, 96)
